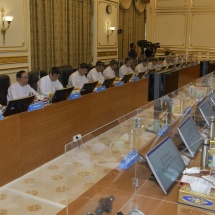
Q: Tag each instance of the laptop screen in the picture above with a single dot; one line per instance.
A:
(126, 78)
(190, 136)
(108, 82)
(18, 105)
(88, 88)
(166, 164)
(62, 94)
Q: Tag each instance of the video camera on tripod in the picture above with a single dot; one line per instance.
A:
(148, 48)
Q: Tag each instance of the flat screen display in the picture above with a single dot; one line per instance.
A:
(108, 82)
(166, 164)
(190, 136)
(206, 111)
(212, 97)
(88, 88)
(126, 78)
(18, 105)
(62, 94)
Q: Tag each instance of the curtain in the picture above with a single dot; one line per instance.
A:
(61, 33)
(131, 21)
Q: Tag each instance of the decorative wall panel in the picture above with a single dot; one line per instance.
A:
(171, 3)
(202, 30)
(203, 3)
(170, 29)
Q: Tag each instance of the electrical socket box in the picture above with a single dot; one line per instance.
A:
(76, 138)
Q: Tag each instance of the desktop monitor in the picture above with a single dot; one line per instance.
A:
(166, 164)
(62, 94)
(190, 137)
(212, 98)
(108, 82)
(141, 74)
(126, 78)
(206, 111)
(88, 88)
(18, 105)
(171, 66)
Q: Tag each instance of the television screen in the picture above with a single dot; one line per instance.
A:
(62, 94)
(190, 136)
(18, 105)
(166, 164)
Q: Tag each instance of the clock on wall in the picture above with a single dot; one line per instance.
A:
(109, 9)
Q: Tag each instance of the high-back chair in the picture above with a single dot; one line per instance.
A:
(4, 85)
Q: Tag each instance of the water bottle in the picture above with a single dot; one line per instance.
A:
(212, 127)
(204, 157)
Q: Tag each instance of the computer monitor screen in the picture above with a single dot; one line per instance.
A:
(171, 66)
(126, 78)
(108, 82)
(141, 74)
(190, 137)
(170, 82)
(212, 98)
(166, 164)
(88, 88)
(18, 105)
(206, 111)
(62, 94)
(163, 68)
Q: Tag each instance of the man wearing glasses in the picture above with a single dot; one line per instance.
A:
(48, 84)
(21, 88)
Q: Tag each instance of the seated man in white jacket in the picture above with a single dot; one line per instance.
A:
(48, 84)
(21, 88)
(109, 72)
(78, 78)
(126, 69)
(142, 67)
(95, 74)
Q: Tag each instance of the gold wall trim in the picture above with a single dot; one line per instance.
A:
(16, 69)
(106, 53)
(15, 59)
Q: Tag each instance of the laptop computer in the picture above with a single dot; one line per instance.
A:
(88, 87)
(18, 105)
(126, 78)
(61, 94)
(171, 66)
(166, 164)
(108, 82)
(190, 137)
(163, 68)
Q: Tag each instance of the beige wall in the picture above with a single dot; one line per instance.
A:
(15, 54)
(184, 26)
(105, 48)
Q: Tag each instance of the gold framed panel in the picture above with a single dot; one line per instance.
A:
(209, 4)
(107, 53)
(161, 4)
(16, 26)
(202, 37)
(102, 40)
(167, 33)
(13, 59)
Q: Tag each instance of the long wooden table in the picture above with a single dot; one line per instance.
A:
(29, 140)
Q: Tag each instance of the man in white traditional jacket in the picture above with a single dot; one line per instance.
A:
(21, 88)
(126, 69)
(109, 72)
(78, 78)
(95, 74)
(48, 84)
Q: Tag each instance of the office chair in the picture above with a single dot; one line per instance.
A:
(34, 78)
(4, 85)
(65, 72)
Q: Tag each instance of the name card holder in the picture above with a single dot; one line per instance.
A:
(35, 106)
(129, 160)
(1, 117)
(100, 89)
(74, 96)
(136, 79)
(120, 83)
